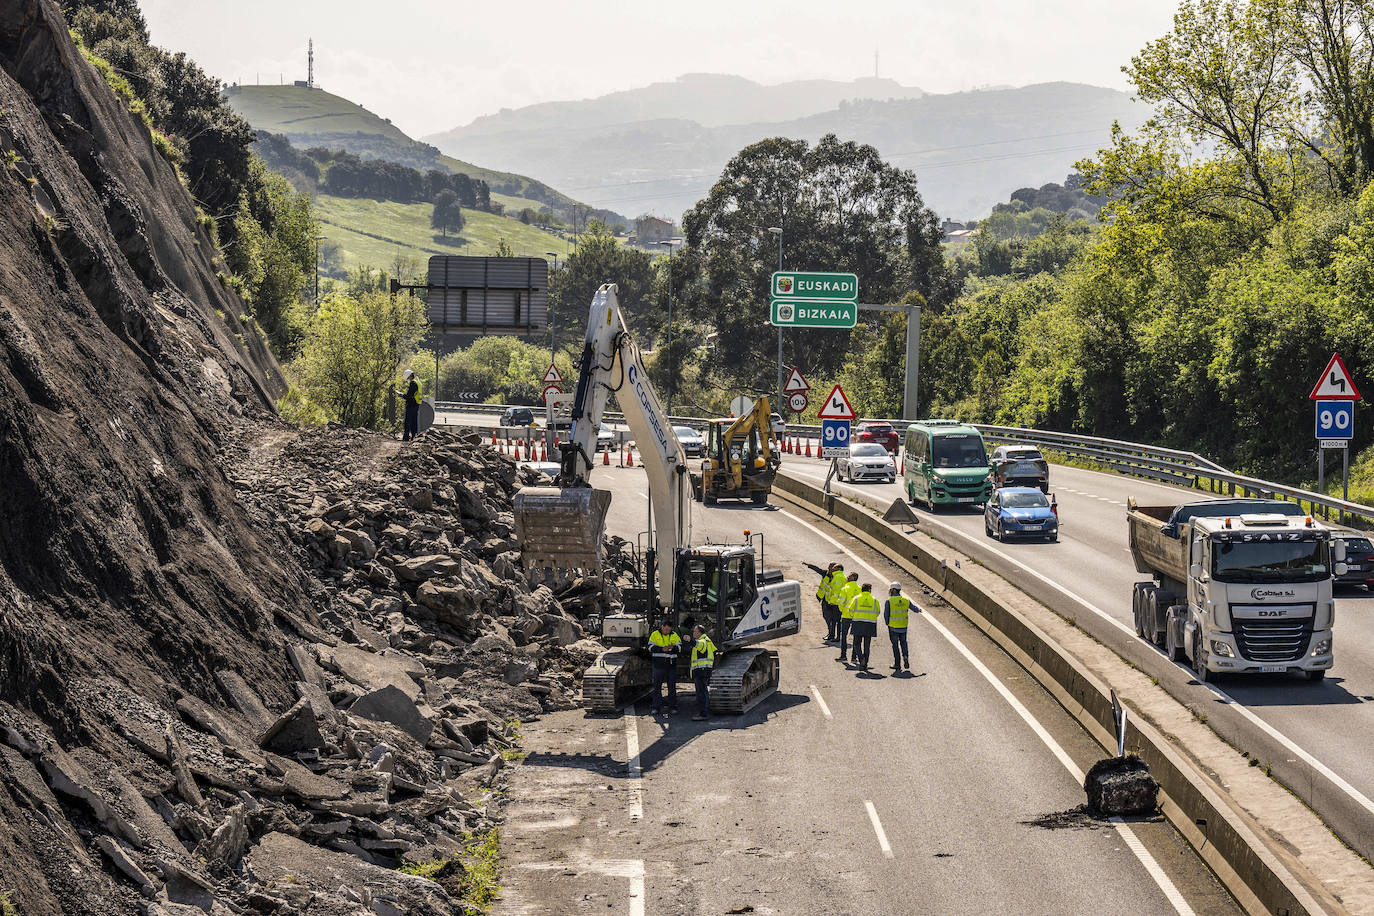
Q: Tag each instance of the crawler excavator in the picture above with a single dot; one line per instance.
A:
(722, 587)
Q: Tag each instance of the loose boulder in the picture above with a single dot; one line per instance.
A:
(1121, 786)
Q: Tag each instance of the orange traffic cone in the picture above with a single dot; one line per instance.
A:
(901, 467)
(808, 448)
(543, 453)
(517, 451)
(493, 437)
(606, 458)
(786, 445)
(629, 459)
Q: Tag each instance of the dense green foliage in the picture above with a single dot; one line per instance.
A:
(448, 213)
(1202, 309)
(353, 349)
(265, 228)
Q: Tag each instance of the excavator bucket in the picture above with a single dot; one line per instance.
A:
(561, 527)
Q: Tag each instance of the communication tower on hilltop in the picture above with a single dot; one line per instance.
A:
(310, 66)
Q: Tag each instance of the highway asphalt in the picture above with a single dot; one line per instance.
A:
(842, 794)
(1314, 735)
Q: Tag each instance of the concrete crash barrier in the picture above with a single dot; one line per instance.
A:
(1251, 858)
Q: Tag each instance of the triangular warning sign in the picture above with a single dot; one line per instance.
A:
(899, 513)
(836, 406)
(796, 383)
(1335, 383)
(552, 376)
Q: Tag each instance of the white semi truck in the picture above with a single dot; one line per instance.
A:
(1238, 585)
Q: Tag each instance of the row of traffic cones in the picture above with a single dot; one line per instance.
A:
(794, 445)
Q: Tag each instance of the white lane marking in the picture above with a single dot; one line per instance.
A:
(817, 693)
(878, 829)
(1152, 866)
(1355, 794)
(611, 868)
(633, 767)
(1155, 872)
(637, 892)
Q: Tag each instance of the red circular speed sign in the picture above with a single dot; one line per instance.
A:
(797, 402)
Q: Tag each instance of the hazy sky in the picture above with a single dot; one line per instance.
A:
(432, 65)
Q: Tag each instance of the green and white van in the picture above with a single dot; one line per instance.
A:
(946, 464)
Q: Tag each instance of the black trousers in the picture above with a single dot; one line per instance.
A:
(831, 615)
(844, 634)
(702, 678)
(665, 674)
(412, 422)
(864, 631)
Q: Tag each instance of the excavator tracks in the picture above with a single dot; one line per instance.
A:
(619, 677)
(742, 680)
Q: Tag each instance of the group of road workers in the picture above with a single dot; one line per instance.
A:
(851, 609)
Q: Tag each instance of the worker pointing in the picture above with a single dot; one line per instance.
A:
(837, 582)
(824, 596)
(847, 593)
(863, 612)
(895, 614)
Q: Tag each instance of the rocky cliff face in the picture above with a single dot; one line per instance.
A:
(183, 641)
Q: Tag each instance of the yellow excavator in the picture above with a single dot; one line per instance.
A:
(740, 462)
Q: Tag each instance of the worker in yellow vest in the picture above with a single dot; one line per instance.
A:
(846, 598)
(825, 595)
(703, 663)
(895, 614)
(863, 613)
(664, 648)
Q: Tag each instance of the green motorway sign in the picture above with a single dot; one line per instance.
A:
(814, 313)
(826, 286)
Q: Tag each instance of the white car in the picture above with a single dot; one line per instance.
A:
(691, 440)
(605, 438)
(777, 425)
(866, 461)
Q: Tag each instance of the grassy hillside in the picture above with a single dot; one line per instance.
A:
(372, 232)
(313, 117)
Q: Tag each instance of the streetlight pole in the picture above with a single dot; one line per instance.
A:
(777, 230)
(670, 243)
(553, 255)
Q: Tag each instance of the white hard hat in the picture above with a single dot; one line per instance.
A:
(409, 373)
(895, 586)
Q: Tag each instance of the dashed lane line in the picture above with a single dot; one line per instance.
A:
(633, 767)
(825, 710)
(1147, 861)
(883, 844)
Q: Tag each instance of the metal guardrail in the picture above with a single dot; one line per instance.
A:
(1174, 466)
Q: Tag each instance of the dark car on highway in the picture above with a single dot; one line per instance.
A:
(517, 416)
(1021, 512)
(1020, 466)
(1359, 558)
(881, 433)
(692, 444)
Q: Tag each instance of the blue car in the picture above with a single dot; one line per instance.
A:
(1021, 512)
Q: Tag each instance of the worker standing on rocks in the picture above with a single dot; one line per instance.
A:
(703, 663)
(895, 614)
(412, 403)
(664, 648)
(847, 593)
(863, 611)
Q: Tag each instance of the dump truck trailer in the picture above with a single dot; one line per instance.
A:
(1237, 585)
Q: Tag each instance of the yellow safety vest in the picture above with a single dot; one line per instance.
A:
(897, 607)
(823, 589)
(713, 588)
(703, 653)
(847, 593)
(664, 644)
(864, 607)
(837, 581)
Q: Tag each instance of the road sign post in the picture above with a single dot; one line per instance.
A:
(1335, 395)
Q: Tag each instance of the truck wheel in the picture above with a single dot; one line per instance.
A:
(1157, 633)
(760, 497)
(1317, 675)
(1199, 669)
(1173, 647)
(1135, 612)
(709, 499)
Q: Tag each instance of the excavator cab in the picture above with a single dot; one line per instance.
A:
(716, 587)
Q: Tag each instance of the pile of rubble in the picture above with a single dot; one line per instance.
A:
(427, 646)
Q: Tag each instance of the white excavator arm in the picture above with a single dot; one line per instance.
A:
(562, 526)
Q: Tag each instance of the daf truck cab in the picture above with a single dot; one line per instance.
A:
(1238, 586)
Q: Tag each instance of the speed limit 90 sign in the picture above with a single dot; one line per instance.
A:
(1335, 419)
(834, 438)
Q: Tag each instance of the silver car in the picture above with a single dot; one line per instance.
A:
(691, 440)
(866, 461)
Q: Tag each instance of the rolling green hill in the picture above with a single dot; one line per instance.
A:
(313, 117)
(373, 232)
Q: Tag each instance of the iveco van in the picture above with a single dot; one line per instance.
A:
(946, 464)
